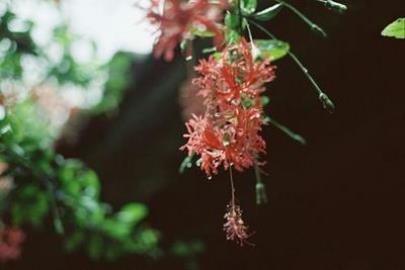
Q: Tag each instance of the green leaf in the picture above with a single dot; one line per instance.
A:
(31, 205)
(273, 49)
(74, 241)
(248, 6)
(232, 21)
(132, 213)
(232, 37)
(95, 247)
(268, 13)
(395, 29)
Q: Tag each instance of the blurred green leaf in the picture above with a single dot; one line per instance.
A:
(132, 213)
(248, 6)
(30, 205)
(232, 21)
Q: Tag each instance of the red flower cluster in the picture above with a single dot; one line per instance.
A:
(178, 17)
(10, 244)
(228, 133)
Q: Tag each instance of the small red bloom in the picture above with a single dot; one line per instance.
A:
(235, 227)
(177, 19)
(10, 244)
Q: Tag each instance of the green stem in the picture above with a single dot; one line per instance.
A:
(310, 23)
(296, 137)
(326, 102)
(261, 196)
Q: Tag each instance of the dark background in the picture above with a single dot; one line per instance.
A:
(337, 203)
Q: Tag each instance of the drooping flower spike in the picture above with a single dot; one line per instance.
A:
(225, 130)
(228, 133)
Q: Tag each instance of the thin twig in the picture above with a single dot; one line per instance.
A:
(326, 102)
(311, 24)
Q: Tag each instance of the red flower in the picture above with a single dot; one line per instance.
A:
(228, 133)
(235, 227)
(176, 20)
(10, 244)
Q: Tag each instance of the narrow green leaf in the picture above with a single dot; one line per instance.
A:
(395, 29)
(271, 48)
(268, 13)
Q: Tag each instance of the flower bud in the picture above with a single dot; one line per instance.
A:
(335, 6)
(327, 103)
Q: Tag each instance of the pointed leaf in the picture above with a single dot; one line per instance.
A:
(268, 13)
(395, 29)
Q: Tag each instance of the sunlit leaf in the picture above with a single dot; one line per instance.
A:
(395, 29)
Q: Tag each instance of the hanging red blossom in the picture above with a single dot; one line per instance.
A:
(178, 17)
(228, 133)
(235, 227)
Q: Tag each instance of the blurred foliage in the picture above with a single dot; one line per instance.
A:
(119, 77)
(46, 186)
(13, 45)
(48, 189)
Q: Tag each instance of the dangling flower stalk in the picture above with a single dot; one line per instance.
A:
(235, 227)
